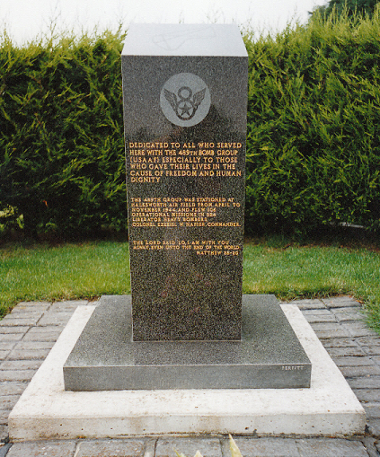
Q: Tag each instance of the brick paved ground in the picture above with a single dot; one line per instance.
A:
(29, 332)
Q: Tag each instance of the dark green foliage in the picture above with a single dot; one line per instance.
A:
(313, 127)
(61, 138)
(313, 149)
(347, 7)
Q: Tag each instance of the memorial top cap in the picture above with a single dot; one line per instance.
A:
(212, 40)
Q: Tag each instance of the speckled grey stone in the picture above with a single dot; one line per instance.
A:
(106, 358)
(185, 99)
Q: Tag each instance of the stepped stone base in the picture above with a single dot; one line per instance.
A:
(269, 355)
(47, 411)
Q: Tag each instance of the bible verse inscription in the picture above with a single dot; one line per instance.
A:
(201, 247)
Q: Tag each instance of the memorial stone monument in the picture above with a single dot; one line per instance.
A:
(185, 105)
(186, 325)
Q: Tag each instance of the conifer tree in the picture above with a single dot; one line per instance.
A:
(361, 7)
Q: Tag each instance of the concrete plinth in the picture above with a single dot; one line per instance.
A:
(47, 411)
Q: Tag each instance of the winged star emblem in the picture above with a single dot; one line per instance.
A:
(184, 103)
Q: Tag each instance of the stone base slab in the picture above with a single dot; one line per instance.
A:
(269, 356)
(47, 411)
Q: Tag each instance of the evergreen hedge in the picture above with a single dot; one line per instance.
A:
(313, 148)
(313, 154)
(61, 138)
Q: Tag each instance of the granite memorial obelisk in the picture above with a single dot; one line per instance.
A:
(185, 92)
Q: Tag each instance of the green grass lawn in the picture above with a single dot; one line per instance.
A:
(68, 271)
(91, 269)
(314, 271)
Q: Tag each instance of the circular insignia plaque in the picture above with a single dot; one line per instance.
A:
(185, 99)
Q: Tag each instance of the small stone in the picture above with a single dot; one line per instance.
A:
(365, 382)
(338, 342)
(13, 329)
(341, 302)
(59, 319)
(188, 446)
(16, 375)
(367, 395)
(273, 447)
(354, 372)
(331, 448)
(43, 448)
(20, 365)
(7, 402)
(357, 329)
(43, 334)
(309, 304)
(111, 448)
(345, 351)
(330, 330)
(372, 410)
(353, 361)
(12, 388)
(348, 314)
(9, 320)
